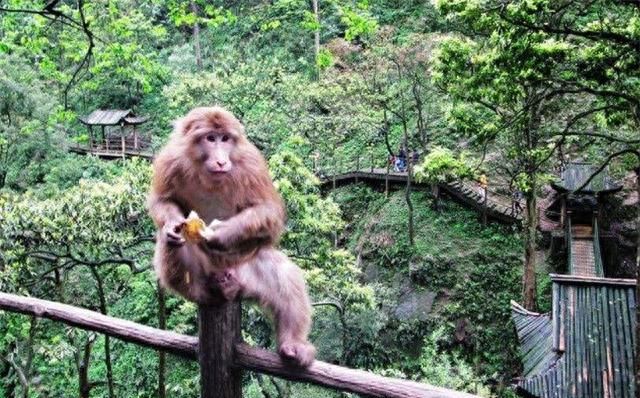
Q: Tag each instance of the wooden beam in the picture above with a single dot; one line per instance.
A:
(219, 331)
(245, 357)
(561, 278)
(178, 344)
(338, 377)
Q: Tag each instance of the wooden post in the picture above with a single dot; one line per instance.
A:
(335, 171)
(563, 210)
(122, 140)
(357, 167)
(135, 137)
(90, 137)
(218, 333)
(386, 181)
(484, 206)
(104, 137)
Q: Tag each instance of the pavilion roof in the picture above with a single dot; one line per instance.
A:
(112, 117)
(575, 174)
(584, 348)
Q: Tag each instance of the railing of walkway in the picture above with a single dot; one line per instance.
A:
(597, 255)
(568, 238)
(498, 198)
(221, 353)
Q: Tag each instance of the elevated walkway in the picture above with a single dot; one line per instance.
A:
(585, 346)
(499, 207)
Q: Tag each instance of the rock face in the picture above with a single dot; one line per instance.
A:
(414, 305)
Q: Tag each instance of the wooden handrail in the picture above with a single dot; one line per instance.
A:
(178, 344)
(246, 357)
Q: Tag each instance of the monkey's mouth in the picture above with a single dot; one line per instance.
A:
(218, 173)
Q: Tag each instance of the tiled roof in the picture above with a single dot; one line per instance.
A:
(112, 117)
(592, 329)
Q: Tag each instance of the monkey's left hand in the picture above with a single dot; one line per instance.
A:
(224, 239)
(216, 238)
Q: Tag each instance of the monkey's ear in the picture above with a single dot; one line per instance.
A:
(183, 125)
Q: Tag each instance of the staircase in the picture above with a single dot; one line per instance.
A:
(582, 254)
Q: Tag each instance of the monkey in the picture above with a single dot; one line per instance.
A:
(209, 166)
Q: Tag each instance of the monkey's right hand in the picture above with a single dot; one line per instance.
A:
(172, 231)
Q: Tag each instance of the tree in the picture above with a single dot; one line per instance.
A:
(28, 120)
(397, 83)
(504, 92)
(48, 241)
(601, 40)
(441, 166)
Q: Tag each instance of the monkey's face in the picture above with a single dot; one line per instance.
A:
(212, 136)
(215, 150)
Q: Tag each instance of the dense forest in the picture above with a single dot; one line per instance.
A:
(405, 281)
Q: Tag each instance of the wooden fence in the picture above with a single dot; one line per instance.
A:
(221, 353)
(495, 202)
(118, 147)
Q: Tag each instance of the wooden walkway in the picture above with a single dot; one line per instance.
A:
(498, 206)
(582, 251)
(113, 153)
(582, 257)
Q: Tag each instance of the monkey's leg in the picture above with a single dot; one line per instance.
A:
(181, 269)
(279, 286)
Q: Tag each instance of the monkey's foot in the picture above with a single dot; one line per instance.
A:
(299, 353)
(228, 284)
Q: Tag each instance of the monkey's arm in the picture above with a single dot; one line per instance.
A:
(163, 210)
(168, 217)
(253, 227)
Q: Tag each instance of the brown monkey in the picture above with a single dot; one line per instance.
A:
(210, 167)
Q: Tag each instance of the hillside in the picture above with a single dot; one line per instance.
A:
(457, 279)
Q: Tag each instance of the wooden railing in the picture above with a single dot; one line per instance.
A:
(118, 146)
(221, 353)
(122, 144)
(495, 201)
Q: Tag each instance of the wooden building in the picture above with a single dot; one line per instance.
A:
(114, 133)
(585, 346)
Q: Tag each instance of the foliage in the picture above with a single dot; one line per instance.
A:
(444, 369)
(522, 85)
(440, 165)
(460, 267)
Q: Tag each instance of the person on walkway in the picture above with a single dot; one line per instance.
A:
(415, 157)
(516, 203)
(483, 184)
(401, 160)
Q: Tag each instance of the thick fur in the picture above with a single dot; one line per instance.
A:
(240, 259)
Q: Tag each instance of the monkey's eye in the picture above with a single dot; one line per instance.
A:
(211, 138)
(225, 138)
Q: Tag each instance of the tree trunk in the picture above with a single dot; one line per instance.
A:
(407, 196)
(162, 358)
(316, 37)
(385, 132)
(83, 370)
(435, 190)
(529, 275)
(107, 341)
(637, 362)
(196, 36)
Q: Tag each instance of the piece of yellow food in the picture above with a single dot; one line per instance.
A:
(194, 226)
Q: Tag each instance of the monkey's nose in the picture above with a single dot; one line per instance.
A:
(221, 163)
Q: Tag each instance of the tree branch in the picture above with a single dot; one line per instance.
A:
(606, 163)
